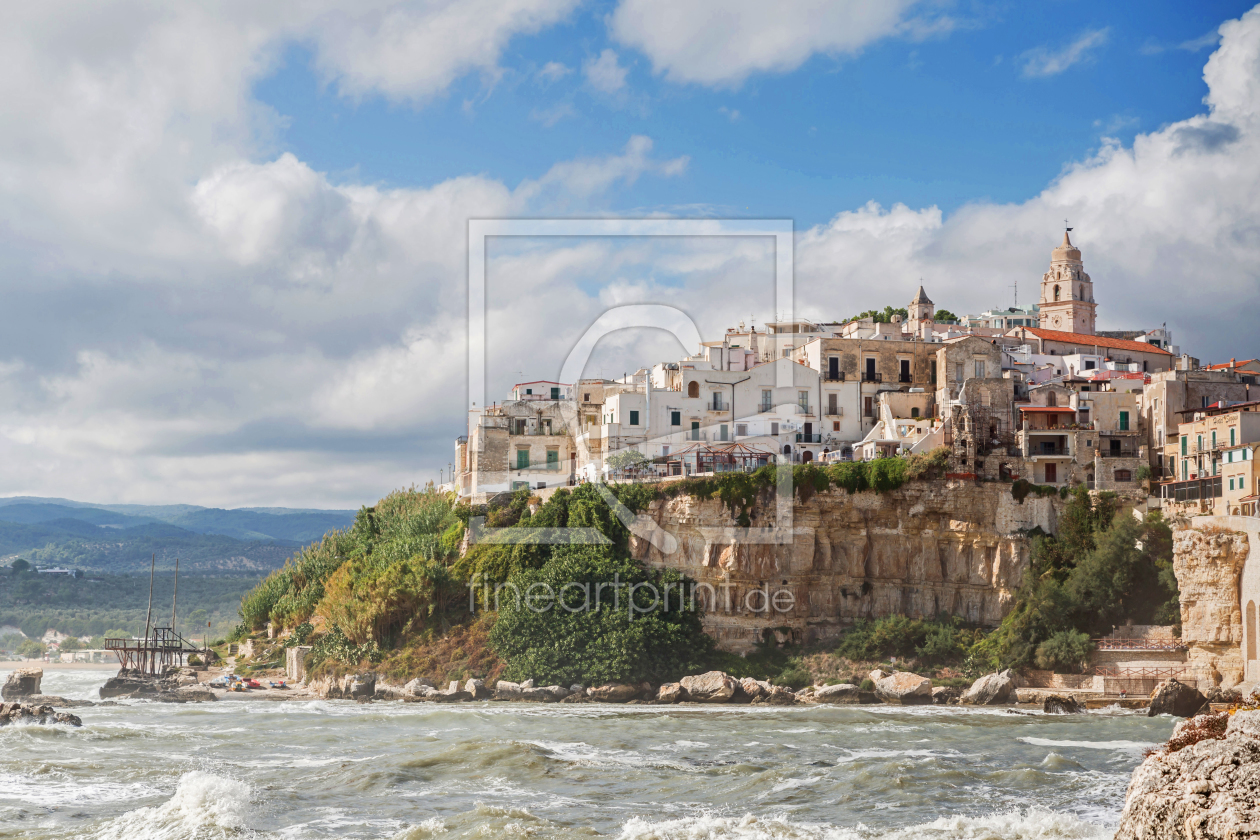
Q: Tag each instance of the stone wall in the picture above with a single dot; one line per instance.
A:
(929, 547)
(1208, 564)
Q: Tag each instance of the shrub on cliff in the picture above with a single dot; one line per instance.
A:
(591, 616)
(1066, 650)
(933, 642)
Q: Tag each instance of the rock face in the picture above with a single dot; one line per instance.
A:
(1206, 791)
(904, 689)
(991, 690)
(927, 548)
(670, 693)
(1208, 567)
(477, 690)
(1174, 698)
(943, 695)
(19, 713)
(504, 690)
(136, 684)
(1062, 704)
(842, 693)
(361, 686)
(712, 687)
(22, 682)
(613, 693)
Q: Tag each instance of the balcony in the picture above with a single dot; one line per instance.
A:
(717, 405)
(905, 377)
(1049, 452)
(833, 411)
(765, 408)
(838, 376)
(1117, 453)
(801, 437)
(872, 376)
(805, 409)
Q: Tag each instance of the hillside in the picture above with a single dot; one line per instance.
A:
(122, 538)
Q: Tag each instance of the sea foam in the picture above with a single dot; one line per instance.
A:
(203, 805)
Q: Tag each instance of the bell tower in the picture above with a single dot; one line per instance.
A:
(1067, 293)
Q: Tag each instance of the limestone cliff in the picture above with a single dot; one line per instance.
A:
(927, 548)
(1208, 565)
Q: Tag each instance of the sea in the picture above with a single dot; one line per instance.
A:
(335, 769)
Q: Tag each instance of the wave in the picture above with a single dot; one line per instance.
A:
(1033, 824)
(203, 805)
(1088, 745)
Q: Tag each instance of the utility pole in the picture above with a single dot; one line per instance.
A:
(149, 613)
(175, 594)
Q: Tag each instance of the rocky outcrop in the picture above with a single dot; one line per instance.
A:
(1207, 790)
(670, 693)
(136, 684)
(902, 688)
(1062, 704)
(360, 686)
(22, 682)
(1208, 566)
(991, 690)
(30, 713)
(478, 690)
(614, 693)
(927, 548)
(711, 687)
(944, 695)
(1172, 697)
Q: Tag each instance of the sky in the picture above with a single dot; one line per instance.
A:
(233, 240)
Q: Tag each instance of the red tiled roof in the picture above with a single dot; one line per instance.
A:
(1086, 341)
(1228, 365)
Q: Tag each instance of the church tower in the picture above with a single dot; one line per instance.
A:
(921, 314)
(1067, 293)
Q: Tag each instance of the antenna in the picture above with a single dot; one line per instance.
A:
(1065, 225)
(1015, 286)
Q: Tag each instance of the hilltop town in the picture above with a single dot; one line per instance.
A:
(1034, 393)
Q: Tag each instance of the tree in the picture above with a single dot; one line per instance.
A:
(32, 649)
(944, 316)
(71, 644)
(625, 460)
(19, 565)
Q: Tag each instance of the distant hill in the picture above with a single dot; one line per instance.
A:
(121, 538)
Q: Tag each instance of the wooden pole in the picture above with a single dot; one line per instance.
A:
(149, 614)
(174, 598)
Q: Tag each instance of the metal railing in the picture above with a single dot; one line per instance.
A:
(1117, 453)
(801, 437)
(905, 377)
(872, 376)
(833, 377)
(1140, 644)
(765, 408)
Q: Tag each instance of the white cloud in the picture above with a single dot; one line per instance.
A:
(723, 42)
(1043, 61)
(731, 114)
(604, 74)
(553, 71)
(552, 114)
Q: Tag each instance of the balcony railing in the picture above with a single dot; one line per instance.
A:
(904, 377)
(872, 376)
(838, 376)
(765, 407)
(835, 411)
(801, 437)
(1117, 453)
(1048, 450)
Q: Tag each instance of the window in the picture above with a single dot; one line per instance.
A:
(664, 451)
(693, 389)
(1090, 364)
(695, 430)
(1200, 442)
(868, 407)
(1205, 402)
(1124, 475)
(933, 371)
(1124, 421)
(741, 430)
(675, 418)
(833, 368)
(586, 398)
(832, 404)
(1185, 469)
(767, 399)
(1231, 484)
(774, 428)
(1056, 292)
(1233, 435)
(958, 372)
(986, 397)
(555, 393)
(553, 459)
(1183, 446)
(717, 401)
(529, 390)
(722, 432)
(786, 351)
(522, 459)
(802, 399)
(1052, 474)
(1052, 399)
(905, 370)
(1214, 438)
(979, 368)
(835, 425)
(634, 418)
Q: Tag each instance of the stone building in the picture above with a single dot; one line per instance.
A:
(1212, 461)
(1067, 293)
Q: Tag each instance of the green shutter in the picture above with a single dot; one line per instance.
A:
(553, 459)
(1183, 444)
(675, 418)
(1232, 437)
(1124, 421)
(522, 459)
(634, 418)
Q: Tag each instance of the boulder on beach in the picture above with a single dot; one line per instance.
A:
(751, 690)
(22, 682)
(991, 690)
(416, 687)
(1173, 697)
(777, 696)
(613, 693)
(842, 693)
(710, 687)
(504, 690)
(135, 684)
(670, 693)
(545, 693)
(362, 686)
(1062, 704)
(905, 689)
(477, 690)
(945, 695)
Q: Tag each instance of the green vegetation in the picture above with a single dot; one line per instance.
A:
(1104, 567)
(944, 316)
(882, 316)
(943, 641)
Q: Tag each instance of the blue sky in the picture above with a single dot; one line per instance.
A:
(233, 237)
(943, 120)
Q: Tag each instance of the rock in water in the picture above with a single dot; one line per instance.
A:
(504, 690)
(1204, 791)
(1062, 704)
(991, 690)
(778, 696)
(905, 689)
(1175, 698)
(670, 693)
(362, 685)
(613, 693)
(477, 689)
(750, 690)
(944, 695)
(711, 687)
(18, 713)
(842, 693)
(135, 684)
(22, 682)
